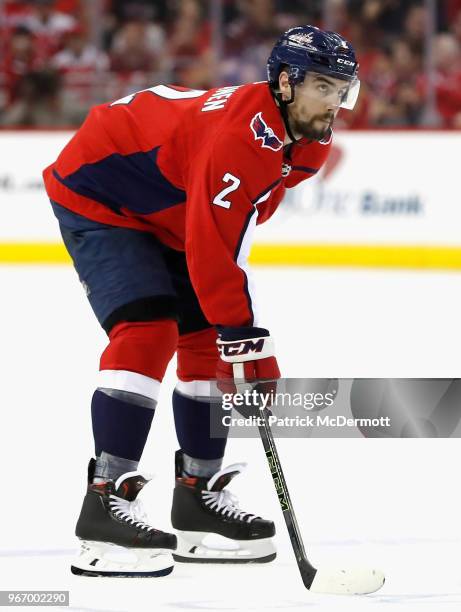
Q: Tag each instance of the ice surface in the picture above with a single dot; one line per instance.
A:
(393, 504)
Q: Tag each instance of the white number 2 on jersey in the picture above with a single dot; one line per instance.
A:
(164, 92)
(234, 184)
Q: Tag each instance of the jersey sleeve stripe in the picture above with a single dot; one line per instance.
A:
(305, 169)
(264, 191)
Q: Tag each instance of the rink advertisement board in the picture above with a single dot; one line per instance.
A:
(378, 188)
(382, 198)
(24, 156)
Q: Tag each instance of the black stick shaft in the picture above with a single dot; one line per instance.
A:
(306, 570)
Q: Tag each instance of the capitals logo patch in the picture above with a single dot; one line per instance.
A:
(302, 38)
(286, 169)
(265, 133)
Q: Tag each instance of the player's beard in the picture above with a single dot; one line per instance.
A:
(315, 129)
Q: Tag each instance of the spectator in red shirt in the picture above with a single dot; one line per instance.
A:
(448, 82)
(82, 66)
(48, 25)
(19, 59)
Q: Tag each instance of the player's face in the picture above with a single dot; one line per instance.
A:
(316, 104)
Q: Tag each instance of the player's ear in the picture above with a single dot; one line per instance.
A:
(284, 85)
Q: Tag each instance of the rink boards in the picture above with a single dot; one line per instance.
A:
(384, 198)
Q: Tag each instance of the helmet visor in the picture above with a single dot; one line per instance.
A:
(338, 92)
(351, 95)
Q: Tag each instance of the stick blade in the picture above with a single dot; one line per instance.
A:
(352, 581)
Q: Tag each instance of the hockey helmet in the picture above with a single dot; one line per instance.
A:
(308, 49)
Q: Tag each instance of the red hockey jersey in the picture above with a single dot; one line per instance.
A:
(198, 169)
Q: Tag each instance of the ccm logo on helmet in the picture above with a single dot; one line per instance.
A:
(233, 349)
(340, 60)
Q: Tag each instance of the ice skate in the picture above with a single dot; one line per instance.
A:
(211, 528)
(115, 539)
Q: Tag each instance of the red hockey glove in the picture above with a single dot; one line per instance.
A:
(246, 354)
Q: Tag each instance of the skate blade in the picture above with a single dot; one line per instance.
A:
(203, 547)
(77, 571)
(102, 559)
(352, 581)
(234, 560)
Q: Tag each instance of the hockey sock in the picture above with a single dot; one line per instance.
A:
(203, 453)
(131, 370)
(121, 423)
(143, 347)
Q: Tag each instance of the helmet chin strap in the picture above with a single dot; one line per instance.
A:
(283, 104)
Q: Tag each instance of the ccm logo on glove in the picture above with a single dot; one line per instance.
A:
(245, 349)
(230, 349)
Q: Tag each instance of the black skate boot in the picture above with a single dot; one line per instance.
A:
(115, 539)
(211, 528)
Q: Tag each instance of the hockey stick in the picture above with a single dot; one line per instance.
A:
(356, 581)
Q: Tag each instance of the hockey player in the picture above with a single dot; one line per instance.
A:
(157, 196)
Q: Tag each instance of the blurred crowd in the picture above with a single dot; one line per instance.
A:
(59, 57)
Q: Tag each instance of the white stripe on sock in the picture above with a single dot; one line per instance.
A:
(197, 388)
(123, 380)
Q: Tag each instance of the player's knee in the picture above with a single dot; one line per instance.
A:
(197, 355)
(153, 308)
(143, 347)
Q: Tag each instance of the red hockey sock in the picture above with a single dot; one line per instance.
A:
(143, 347)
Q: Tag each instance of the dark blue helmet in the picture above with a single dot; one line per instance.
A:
(309, 49)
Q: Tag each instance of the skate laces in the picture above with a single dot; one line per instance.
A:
(131, 512)
(223, 501)
(226, 503)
